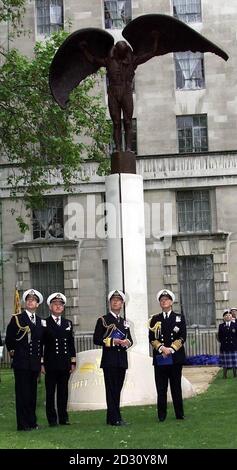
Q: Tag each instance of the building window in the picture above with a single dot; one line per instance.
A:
(49, 16)
(194, 213)
(188, 11)
(196, 282)
(47, 278)
(192, 133)
(48, 221)
(134, 138)
(117, 13)
(189, 68)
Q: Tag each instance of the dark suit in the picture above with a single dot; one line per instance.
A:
(114, 363)
(59, 349)
(26, 364)
(169, 332)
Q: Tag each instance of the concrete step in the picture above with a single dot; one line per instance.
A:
(200, 376)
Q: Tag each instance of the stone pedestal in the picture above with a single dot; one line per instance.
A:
(127, 251)
(123, 162)
(87, 390)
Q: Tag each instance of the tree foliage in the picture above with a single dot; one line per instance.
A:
(12, 11)
(36, 135)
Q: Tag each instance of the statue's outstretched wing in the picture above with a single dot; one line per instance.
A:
(173, 36)
(70, 65)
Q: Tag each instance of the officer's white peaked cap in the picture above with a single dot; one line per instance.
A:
(33, 292)
(56, 296)
(116, 293)
(164, 292)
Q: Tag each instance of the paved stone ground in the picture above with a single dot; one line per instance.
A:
(200, 376)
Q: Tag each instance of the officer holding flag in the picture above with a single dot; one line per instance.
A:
(113, 333)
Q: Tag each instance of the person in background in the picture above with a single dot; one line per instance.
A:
(227, 336)
(24, 344)
(59, 359)
(233, 311)
(113, 333)
(167, 335)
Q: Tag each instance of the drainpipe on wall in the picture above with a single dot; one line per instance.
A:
(1, 267)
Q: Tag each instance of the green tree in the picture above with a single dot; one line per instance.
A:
(12, 10)
(39, 138)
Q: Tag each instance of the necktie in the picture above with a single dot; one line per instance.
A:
(166, 316)
(57, 320)
(32, 317)
(117, 318)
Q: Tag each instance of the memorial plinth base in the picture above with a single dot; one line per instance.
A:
(123, 162)
(87, 390)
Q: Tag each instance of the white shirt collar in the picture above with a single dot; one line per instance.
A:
(30, 314)
(168, 314)
(114, 314)
(54, 318)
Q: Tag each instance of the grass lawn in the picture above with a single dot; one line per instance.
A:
(211, 423)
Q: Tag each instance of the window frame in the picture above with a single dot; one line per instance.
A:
(47, 283)
(57, 218)
(193, 208)
(44, 25)
(194, 16)
(192, 300)
(192, 135)
(183, 66)
(115, 20)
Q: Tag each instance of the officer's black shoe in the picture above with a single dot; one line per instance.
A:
(26, 428)
(66, 423)
(123, 423)
(117, 423)
(179, 417)
(162, 418)
(36, 426)
(52, 425)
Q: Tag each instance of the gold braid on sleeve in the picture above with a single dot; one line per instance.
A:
(177, 344)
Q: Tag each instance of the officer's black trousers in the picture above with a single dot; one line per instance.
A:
(164, 374)
(56, 380)
(114, 378)
(26, 395)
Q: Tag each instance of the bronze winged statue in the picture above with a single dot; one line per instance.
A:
(86, 50)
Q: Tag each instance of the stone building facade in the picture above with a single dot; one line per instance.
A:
(185, 120)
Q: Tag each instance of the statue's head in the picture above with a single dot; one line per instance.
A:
(121, 49)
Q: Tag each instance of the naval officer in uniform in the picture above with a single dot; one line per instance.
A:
(59, 359)
(24, 343)
(167, 335)
(113, 333)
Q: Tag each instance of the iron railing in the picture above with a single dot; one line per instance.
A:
(199, 341)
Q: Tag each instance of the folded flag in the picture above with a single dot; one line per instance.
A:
(164, 361)
(117, 334)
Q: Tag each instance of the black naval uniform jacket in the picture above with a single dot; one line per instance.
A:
(59, 345)
(28, 350)
(170, 332)
(25, 347)
(112, 356)
(228, 337)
